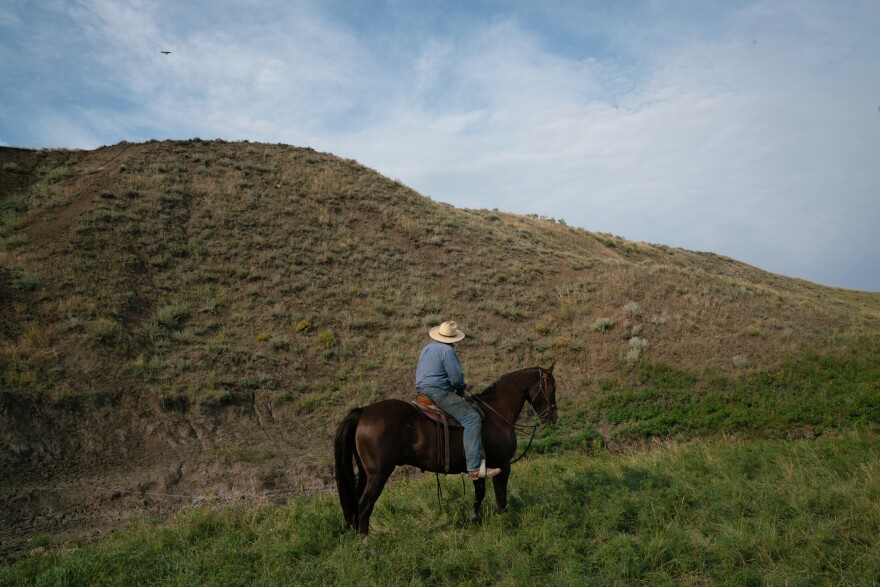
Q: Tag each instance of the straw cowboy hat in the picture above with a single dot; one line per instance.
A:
(446, 332)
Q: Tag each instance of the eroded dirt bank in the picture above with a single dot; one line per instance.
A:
(82, 467)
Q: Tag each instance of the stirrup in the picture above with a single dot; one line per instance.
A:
(482, 472)
(475, 475)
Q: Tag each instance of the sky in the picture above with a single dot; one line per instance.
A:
(749, 129)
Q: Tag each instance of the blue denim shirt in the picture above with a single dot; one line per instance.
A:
(439, 367)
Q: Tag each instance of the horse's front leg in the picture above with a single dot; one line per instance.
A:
(479, 494)
(499, 485)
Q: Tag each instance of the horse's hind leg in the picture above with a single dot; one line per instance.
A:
(375, 484)
(479, 494)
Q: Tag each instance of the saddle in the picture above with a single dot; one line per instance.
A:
(445, 422)
(427, 406)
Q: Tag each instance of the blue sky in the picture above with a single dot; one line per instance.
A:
(749, 129)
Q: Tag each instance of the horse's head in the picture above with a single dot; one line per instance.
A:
(543, 396)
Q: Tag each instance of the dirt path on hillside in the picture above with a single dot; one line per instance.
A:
(86, 183)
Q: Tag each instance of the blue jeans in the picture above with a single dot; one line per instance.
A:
(467, 416)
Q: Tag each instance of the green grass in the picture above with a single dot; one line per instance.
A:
(752, 513)
(804, 396)
(812, 392)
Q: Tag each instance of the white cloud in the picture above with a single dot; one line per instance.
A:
(8, 18)
(753, 135)
(246, 81)
(751, 149)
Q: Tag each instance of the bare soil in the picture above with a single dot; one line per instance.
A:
(79, 468)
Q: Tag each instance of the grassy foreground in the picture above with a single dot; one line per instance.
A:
(710, 512)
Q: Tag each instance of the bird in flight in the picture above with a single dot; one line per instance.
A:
(166, 52)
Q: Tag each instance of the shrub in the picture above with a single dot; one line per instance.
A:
(56, 174)
(304, 326)
(741, 362)
(12, 167)
(15, 203)
(753, 330)
(603, 324)
(385, 309)
(518, 342)
(638, 343)
(16, 240)
(502, 309)
(9, 214)
(106, 330)
(634, 354)
(25, 281)
(172, 316)
(562, 342)
(326, 339)
(185, 336)
(432, 320)
(279, 343)
(72, 324)
(633, 309)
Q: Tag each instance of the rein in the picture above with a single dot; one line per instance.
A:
(529, 445)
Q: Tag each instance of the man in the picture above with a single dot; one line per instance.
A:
(440, 377)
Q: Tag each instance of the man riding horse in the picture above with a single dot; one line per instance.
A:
(440, 377)
(371, 441)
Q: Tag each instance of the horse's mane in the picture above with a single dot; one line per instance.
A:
(489, 391)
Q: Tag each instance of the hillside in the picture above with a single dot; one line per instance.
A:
(186, 321)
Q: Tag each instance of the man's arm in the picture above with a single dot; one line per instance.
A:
(453, 369)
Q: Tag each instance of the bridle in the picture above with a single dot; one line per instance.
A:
(541, 385)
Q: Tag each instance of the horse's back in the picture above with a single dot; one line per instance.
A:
(394, 408)
(385, 417)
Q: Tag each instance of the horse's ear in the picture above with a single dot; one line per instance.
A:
(550, 368)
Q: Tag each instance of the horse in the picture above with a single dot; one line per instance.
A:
(390, 433)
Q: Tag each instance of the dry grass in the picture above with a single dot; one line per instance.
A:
(297, 264)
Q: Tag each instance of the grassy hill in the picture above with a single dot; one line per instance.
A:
(190, 319)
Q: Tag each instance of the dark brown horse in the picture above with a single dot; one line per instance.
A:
(384, 435)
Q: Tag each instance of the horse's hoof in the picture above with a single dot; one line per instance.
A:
(370, 550)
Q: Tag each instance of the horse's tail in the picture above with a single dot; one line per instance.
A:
(348, 486)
